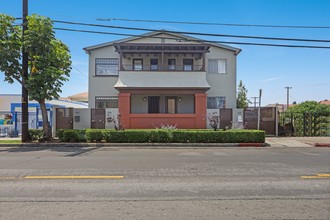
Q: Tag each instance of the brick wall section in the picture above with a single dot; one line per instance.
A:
(124, 105)
(200, 110)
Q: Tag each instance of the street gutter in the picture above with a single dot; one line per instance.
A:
(139, 145)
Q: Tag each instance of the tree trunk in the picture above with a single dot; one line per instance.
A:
(45, 122)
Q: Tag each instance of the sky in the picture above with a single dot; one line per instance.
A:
(271, 69)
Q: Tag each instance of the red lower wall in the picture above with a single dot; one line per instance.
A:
(156, 120)
(196, 120)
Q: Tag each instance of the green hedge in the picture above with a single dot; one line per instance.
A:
(35, 134)
(229, 136)
(73, 135)
(163, 136)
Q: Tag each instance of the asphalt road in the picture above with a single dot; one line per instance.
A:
(185, 183)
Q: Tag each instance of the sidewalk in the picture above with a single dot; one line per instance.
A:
(270, 141)
(298, 141)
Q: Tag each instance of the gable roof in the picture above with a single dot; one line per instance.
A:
(153, 33)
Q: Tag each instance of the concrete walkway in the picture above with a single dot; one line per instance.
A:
(298, 141)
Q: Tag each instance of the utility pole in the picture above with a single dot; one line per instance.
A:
(260, 94)
(255, 101)
(25, 68)
(287, 96)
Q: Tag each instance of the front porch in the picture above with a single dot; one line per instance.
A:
(151, 109)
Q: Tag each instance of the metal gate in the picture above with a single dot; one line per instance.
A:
(64, 118)
(98, 118)
(226, 117)
(304, 124)
(267, 119)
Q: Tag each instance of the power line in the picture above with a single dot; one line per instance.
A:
(193, 33)
(213, 24)
(79, 71)
(192, 40)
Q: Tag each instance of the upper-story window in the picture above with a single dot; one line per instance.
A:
(106, 102)
(216, 102)
(137, 64)
(106, 66)
(171, 64)
(218, 66)
(153, 64)
(188, 64)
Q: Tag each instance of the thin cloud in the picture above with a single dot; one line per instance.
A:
(270, 79)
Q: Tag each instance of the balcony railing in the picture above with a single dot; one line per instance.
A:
(162, 68)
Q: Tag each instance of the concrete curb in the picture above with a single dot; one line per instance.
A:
(321, 145)
(137, 145)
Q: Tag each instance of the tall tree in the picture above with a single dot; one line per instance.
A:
(49, 60)
(242, 100)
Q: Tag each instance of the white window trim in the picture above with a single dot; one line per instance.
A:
(111, 74)
(218, 59)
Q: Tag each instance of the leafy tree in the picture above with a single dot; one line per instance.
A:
(315, 116)
(49, 60)
(241, 100)
(311, 107)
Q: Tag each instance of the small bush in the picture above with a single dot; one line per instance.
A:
(234, 136)
(36, 134)
(73, 135)
(95, 135)
(59, 133)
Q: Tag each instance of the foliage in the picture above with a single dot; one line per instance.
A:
(308, 118)
(236, 126)
(117, 123)
(311, 107)
(95, 135)
(213, 120)
(169, 136)
(73, 135)
(242, 100)
(167, 126)
(59, 133)
(10, 48)
(35, 135)
(49, 60)
(234, 136)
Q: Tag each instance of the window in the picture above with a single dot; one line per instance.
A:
(106, 66)
(171, 64)
(188, 64)
(153, 104)
(171, 104)
(153, 64)
(106, 102)
(137, 64)
(217, 66)
(216, 102)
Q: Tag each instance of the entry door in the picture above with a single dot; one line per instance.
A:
(153, 104)
(64, 118)
(171, 104)
(226, 117)
(98, 118)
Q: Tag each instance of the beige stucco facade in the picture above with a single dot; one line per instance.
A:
(220, 85)
(186, 90)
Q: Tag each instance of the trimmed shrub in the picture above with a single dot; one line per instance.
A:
(73, 135)
(237, 136)
(163, 136)
(160, 136)
(59, 133)
(35, 134)
(95, 135)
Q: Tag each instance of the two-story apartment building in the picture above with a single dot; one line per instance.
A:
(162, 78)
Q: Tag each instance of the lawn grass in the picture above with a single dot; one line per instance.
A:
(10, 141)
